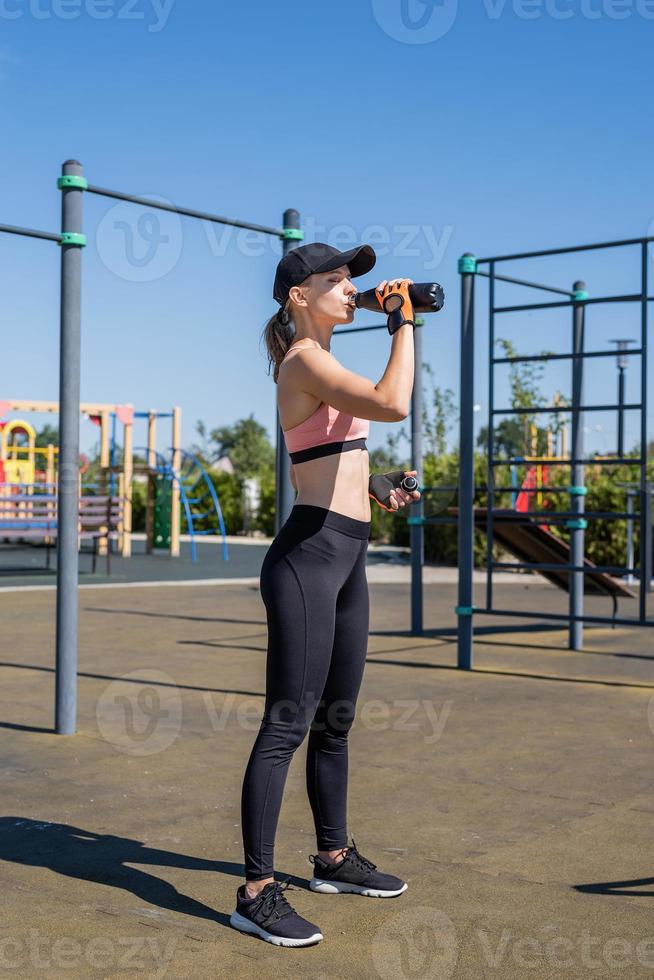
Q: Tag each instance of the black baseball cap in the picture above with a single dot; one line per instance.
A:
(318, 257)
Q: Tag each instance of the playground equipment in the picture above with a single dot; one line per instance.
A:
(576, 517)
(176, 482)
(71, 239)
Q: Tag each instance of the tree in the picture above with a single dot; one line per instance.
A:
(246, 443)
(48, 435)
(513, 435)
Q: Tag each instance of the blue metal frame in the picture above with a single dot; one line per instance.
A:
(576, 517)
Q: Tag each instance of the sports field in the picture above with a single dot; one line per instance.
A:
(515, 799)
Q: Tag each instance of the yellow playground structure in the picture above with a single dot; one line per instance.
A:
(176, 480)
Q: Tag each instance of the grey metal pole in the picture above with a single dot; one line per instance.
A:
(72, 185)
(416, 509)
(620, 411)
(285, 492)
(464, 609)
(630, 536)
(622, 360)
(577, 490)
(646, 535)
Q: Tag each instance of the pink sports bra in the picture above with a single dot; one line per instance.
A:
(325, 432)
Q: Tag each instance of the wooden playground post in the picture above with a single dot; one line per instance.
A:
(175, 494)
(104, 439)
(128, 472)
(152, 439)
(120, 527)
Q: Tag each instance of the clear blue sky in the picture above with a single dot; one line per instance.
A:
(523, 125)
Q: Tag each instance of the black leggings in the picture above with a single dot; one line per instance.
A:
(313, 583)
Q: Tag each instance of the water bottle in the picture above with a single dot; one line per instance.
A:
(426, 297)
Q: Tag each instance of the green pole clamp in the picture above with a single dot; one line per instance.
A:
(420, 321)
(71, 180)
(293, 235)
(72, 238)
(578, 295)
(465, 610)
(467, 263)
(578, 491)
(578, 524)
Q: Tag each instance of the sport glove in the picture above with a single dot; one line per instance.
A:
(394, 300)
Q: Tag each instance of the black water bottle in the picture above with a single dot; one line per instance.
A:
(409, 483)
(426, 297)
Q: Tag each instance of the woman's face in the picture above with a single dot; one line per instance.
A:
(327, 293)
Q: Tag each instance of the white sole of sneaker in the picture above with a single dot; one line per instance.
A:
(334, 887)
(240, 922)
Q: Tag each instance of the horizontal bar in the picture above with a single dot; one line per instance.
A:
(553, 567)
(626, 298)
(564, 617)
(526, 282)
(188, 212)
(434, 519)
(530, 306)
(552, 515)
(565, 250)
(30, 233)
(590, 461)
(527, 489)
(560, 357)
(539, 409)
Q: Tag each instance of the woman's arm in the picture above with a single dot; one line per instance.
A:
(318, 373)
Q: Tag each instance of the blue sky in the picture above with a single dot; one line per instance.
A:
(495, 127)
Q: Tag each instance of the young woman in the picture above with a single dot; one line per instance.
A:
(313, 579)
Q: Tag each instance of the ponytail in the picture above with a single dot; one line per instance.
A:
(278, 333)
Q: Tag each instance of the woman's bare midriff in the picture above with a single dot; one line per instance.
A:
(338, 482)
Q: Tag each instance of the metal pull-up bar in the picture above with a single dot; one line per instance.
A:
(73, 185)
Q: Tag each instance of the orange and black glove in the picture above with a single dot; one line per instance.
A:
(394, 300)
(380, 486)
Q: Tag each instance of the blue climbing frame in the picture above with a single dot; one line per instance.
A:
(576, 300)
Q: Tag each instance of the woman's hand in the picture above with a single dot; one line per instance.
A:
(395, 301)
(389, 497)
(400, 497)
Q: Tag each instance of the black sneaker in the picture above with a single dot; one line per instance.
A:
(270, 916)
(354, 873)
